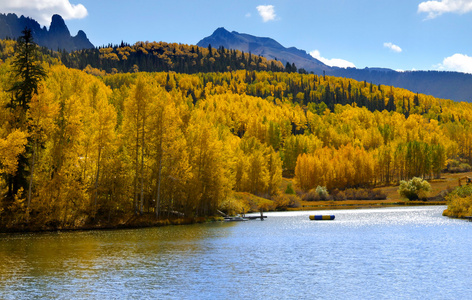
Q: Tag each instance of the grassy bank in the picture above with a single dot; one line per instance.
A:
(440, 187)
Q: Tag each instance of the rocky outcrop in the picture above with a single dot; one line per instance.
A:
(57, 37)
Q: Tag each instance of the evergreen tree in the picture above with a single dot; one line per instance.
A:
(27, 71)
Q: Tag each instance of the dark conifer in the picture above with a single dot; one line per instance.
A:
(27, 71)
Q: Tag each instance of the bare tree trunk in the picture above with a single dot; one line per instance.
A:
(137, 166)
(30, 187)
(161, 154)
(158, 197)
(96, 180)
(141, 204)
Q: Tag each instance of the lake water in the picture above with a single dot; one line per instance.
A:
(386, 253)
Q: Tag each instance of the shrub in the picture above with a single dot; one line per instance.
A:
(338, 195)
(354, 194)
(311, 196)
(289, 190)
(281, 202)
(284, 201)
(294, 201)
(234, 205)
(456, 166)
(322, 192)
(414, 189)
(358, 194)
(462, 191)
(459, 202)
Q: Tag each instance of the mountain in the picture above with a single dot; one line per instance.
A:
(57, 37)
(440, 84)
(447, 85)
(266, 47)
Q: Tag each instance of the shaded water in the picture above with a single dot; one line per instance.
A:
(389, 253)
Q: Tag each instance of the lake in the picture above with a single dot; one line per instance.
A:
(384, 253)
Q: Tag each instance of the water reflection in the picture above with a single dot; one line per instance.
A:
(410, 252)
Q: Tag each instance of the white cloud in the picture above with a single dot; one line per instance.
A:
(333, 62)
(267, 12)
(437, 8)
(393, 47)
(42, 10)
(457, 62)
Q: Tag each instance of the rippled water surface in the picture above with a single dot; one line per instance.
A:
(390, 253)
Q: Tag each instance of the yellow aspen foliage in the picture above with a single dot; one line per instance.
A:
(347, 167)
(10, 148)
(174, 144)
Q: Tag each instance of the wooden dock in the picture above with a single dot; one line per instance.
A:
(468, 218)
(262, 217)
(256, 217)
(243, 217)
(235, 219)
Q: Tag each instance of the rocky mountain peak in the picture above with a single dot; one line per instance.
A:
(58, 36)
(58, 26)
(267, 47)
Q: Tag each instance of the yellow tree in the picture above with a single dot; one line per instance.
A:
(135, 125)
(274, 171)
(41, 121)
(205, 186)
(10, 148)
(103, 138)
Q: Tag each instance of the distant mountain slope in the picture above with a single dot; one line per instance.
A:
(57, 37)
(447, 85)
(266, 47)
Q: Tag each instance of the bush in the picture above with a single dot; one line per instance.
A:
(358, 194)
(414, 189)
(289, 190)
(455, 166)
(459, 202)
(320, 193)
(310, 196)
(338, 195)
(232, 206)
(284, 201)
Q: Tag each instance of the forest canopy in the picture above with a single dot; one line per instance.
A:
(103, 146)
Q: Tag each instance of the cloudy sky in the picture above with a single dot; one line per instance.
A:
(396, 34)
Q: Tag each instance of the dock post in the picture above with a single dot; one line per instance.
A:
(262, 215)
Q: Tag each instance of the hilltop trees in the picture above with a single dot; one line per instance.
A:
(161, 56)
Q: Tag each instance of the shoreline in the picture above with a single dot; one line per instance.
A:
(357, 204)
(146, 222)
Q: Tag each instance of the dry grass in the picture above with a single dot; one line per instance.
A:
(253, 203)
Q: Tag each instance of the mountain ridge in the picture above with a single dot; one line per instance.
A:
(58, 36)
(447, 85)
(264, 46)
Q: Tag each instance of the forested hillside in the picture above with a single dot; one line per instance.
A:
(87, 149)
(161, 56)
(448, 85)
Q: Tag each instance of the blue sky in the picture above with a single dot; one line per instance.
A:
(396, 34)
